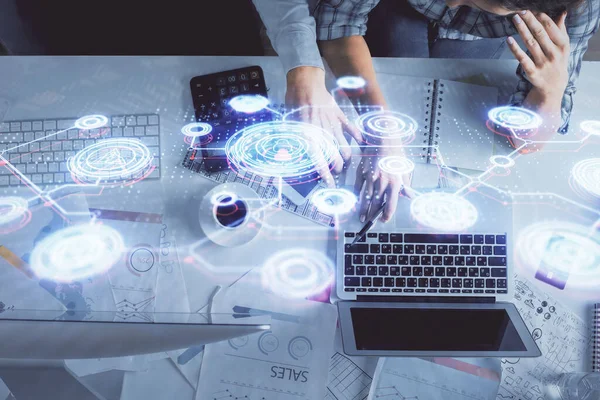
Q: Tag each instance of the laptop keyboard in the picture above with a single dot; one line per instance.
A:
(45, 161)
(401, 263)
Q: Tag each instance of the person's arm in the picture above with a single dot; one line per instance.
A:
(550, 68)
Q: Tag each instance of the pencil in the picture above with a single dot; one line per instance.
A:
(15, 261)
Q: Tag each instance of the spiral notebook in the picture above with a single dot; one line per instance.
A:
(596, 338)
(452, 119)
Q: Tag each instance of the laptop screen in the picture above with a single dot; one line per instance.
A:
(403, 329)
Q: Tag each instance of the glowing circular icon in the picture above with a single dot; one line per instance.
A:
(298, 273)
(91, 122)
(334, 201)
(502, 161)
(196, 129)
(351, 82)
(249, 104)
(77, 252)
(381, 125)
(517, 118)
(443, 211)
(292, 150)
(586, 175)
(111, 161)
(591, 127)
(560, 252)
(396, 165)
(14, 214)
(223, 199)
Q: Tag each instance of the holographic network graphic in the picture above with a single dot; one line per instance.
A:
(351, 82)
(334, 201)
(249, 104)
(396, 165)
(14, 214)
(444, 211)
(378, 126)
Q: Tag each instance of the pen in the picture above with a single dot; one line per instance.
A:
(15, 261)
(369, 225)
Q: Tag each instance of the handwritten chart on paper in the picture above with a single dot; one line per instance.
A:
(347, 381)
(561, 335)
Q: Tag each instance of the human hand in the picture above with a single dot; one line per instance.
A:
(306, 88)
(549, 45)
(375, 186)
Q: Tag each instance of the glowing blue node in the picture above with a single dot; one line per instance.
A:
(14, 214)
(224, 199)
(396, 165)
(387, 125)
(249, 104)
(334, 201)
(298, 273)
(282, 149)
(91, 122)
(586, 174)
(591, 127)
(196, 129)
(444, 211)
(502, 161)
(564, 249)
(517, 118)
(111, 161)
(351, 82)
(77, 252)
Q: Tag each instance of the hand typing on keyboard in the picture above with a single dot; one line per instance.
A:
(374, 186)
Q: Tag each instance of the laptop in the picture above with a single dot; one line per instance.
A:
(437, 280)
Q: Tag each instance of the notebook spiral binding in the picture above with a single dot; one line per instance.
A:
(596, 338)
(428, 119)
(434, 131)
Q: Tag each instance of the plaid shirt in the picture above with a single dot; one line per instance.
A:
(341, 18)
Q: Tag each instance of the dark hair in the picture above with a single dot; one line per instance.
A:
(554, 8)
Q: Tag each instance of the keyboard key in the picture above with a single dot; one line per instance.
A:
(442, 249)
(428, 271)
(373, 290)
(500, 239)
(446, 282)
(351, 281)
(409, 249)
(384, 238)
(372, 271)
(361, 270)
(357, 259)
(409, 290)
(484, 272)
(501, 283)
(487, 250)
(397, 249)
(384, 290)
(462, 271)
(437, 260)
(395, 271)
(425, 260)
(356, 248)
(429, 238)
(499, 250)
(370, 259)
(440, 271)
(468, 282)
(415, 260)
(434, 282)
(499, 272)
(477, 291)
(378, 282)
(453, 249)
(431, 249)
(396, 290)
(432, 291)
(349, 270)
(417, 271)
(380, 259)
(411, 282)
(406, 271)
(400, 282)
(474, 272)
(490, 239)
(457, 283)
(490, 283)
(423, 282)
(466, 239)
(384, 271)
(419, 290)
(465, 250)
(392, 260)
(371, 235)
(451, 271)
(363, 239)
(476, 250)
(366, 282)
(497, 261)
(471, 261)
(481, 261)
(490, 291)
(478, 239)
(349, 289)
(403, 260)
(444, 291)
(375, 248)
(420, 249)
(479, 283)
(396, 238)
(386, 248)
(448, 260)
(502, 291)
(467, 291)
(388, 282)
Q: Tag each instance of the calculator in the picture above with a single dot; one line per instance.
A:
(211, 95)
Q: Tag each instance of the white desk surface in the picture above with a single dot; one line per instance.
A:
(40, 87)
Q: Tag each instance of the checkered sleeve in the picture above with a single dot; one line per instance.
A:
(342, 18)
(582, 24)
